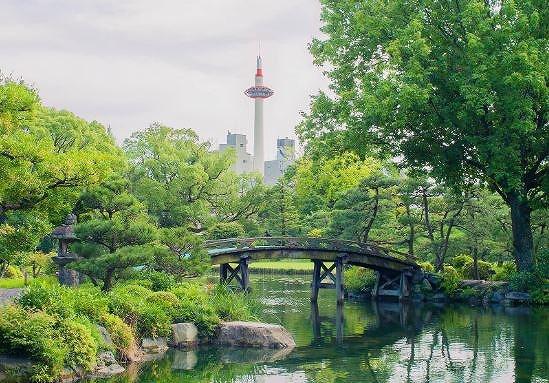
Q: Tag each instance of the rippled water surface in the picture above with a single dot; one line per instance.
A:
(370, 342)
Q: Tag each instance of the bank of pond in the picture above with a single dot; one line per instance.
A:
(52, 332)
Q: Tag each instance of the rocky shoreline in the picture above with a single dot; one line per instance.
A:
(184, 336)
(471, 292)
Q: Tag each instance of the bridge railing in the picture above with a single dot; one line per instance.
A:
(310, 243)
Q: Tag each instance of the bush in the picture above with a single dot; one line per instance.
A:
(80, 344)
(427, 267)
(13, 272)
(504, 272)
(359, 279)
(485, 270)
(229, 305)
(160, 281)
(450, 280)
(52, 343)
(121, 334)
(459, 261)
(195, 307)
(53, 299)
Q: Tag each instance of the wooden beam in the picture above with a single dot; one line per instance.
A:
(245, 281)
(315, 284)
(340, 295)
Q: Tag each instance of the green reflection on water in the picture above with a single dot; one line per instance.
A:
(370, 342)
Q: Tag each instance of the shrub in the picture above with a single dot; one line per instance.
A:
(159, 281)
(195, 307)
(461, 260)
(121, 334)
(229, 305)
(89, 301)
(485, 270)
(450, 280)
(504, 272)
(427, 267)
(359, 279)
(53, 299)
(80, 344)
(13, 272)
(52, 343)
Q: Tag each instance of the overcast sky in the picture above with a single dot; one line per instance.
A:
(127, 63)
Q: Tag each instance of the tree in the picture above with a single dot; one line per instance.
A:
(115, 233)
(457, 88)
(47, 155)
(176, 176)
(281, 216)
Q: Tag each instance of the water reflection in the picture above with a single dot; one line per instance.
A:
(371, 342)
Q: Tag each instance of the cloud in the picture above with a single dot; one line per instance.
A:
(184, 63)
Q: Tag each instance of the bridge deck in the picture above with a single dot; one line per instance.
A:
(328, 250)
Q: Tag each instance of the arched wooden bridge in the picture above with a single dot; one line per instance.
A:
(394, 274)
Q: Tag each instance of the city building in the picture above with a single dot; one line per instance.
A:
(285, 156)
(244, 160)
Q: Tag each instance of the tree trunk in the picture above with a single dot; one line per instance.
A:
(107, 282)
(523, 243)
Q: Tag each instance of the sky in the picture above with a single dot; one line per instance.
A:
(183, 63)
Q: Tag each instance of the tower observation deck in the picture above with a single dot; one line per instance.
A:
(259, 92)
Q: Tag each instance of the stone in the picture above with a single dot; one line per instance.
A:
(497, 297)
(184, 335)
(105, 336)
(154, 345)
(254, 334)
(184, 360)
(107, 365)
(515, 297)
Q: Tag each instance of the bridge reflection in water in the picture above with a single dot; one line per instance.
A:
(396, 272)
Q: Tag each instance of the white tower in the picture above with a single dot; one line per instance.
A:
(259, 92)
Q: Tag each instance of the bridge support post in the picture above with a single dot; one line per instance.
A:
(244, 274)
(396, 285)
(315, 284)
(340, 295)
(223, 269)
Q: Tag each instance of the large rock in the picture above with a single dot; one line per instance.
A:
(154, 345)
(107, 365)
(184, 335)
(105, 336)
(515, 297)
(253, 334)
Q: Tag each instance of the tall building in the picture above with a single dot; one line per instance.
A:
(285, 156)
(259, 92)
(238, 142)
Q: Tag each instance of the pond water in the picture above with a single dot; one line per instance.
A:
(369, 342)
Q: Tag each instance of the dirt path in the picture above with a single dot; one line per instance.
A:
(7, 295)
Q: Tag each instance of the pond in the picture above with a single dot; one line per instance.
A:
(369, 342)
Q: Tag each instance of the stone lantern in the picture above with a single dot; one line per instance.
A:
(65, 236)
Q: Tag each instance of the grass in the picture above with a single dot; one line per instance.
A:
(11, 283)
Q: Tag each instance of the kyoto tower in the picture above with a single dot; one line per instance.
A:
(259, 92)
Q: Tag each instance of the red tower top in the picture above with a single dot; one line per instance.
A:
(259, 72)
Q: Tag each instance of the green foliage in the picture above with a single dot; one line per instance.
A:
(437, 84)
(485, 270)
(230, 305)
(504, 272)
(359, 279)
(427, 267)
(10, 283)
(176, 176)
(121, 334)
(450, 280)
(460, 261)
(51, 342)
(13, 272)
(224, 230)
(182, 255)
(195, 307)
